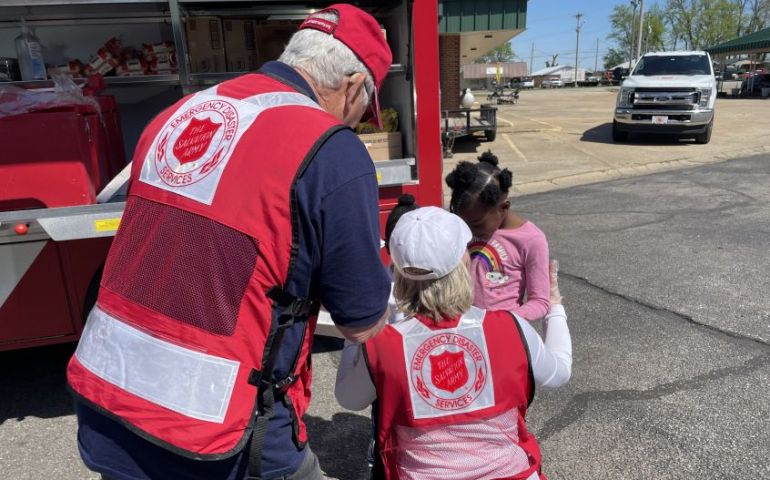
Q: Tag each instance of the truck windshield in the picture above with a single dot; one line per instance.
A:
(673, 65)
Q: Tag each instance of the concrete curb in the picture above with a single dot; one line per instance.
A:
(596, 176)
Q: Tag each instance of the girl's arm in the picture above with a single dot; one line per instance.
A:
(551, 360)
(536, 280)
(354, 388)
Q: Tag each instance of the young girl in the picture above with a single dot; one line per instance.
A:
(509, 254)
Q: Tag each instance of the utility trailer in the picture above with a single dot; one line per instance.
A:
(467, 121)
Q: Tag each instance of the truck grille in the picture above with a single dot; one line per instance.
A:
(665, 98)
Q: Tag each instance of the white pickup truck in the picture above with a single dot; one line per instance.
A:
(668, 93)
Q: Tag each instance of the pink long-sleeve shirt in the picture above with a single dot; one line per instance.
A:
(508, 265)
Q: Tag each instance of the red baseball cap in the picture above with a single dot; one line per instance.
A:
(361, 33)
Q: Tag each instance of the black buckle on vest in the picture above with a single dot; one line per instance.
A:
(292, 306)
(284, 384)
(255, 379)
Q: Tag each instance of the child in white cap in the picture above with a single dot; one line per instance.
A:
(452, 381)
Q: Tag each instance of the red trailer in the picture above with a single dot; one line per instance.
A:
(58, 212)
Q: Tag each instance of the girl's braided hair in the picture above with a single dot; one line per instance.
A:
(484, 179)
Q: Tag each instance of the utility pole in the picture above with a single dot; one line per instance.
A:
(596, 58)
(634, 4)
(531, 57)
(577, 44)
(641, 29)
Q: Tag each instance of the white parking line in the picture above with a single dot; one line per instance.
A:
(551, 127)
(514, 147)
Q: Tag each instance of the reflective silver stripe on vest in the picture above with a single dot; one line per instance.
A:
(281, 99)
(186, 381)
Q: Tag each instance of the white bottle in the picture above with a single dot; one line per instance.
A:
(468, 99)
(30, 54)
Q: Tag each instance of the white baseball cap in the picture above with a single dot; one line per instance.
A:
(429, 239)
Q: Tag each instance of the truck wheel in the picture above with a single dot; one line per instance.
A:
(705, 137)
(617, 134)
(491, 135)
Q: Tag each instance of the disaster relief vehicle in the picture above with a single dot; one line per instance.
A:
(63, 169)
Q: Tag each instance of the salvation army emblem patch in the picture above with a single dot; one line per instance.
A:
(191, 151)
(195, 141)
(449, 372)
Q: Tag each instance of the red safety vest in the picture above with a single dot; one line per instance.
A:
(453, 398)
(192, 309)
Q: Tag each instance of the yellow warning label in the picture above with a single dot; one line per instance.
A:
(106, 224)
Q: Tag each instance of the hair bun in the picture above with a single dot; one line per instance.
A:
(489, 157)
(406, 200)
(462, 176)
(506, 180)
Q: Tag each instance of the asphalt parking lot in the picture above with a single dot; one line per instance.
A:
(556, 138)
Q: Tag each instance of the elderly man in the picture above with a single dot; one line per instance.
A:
(250, 203)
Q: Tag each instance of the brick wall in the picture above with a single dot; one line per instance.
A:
(449, 63)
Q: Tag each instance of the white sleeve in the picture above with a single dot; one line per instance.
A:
(552, 360)
(395, 315)
(354, 388)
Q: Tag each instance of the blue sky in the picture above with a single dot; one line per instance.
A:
(551, 27)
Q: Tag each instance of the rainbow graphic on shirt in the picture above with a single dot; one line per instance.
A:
(487, 255)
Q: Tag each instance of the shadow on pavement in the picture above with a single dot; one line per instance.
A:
(603, 134)
(32, 382)
(468, 144)
(341, 444)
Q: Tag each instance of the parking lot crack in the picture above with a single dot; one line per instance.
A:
(581, 403)
(687, 318)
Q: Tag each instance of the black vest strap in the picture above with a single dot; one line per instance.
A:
(291, 307)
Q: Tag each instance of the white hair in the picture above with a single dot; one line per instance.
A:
(327, 60)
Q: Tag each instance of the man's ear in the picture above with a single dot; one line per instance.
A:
(355, 82)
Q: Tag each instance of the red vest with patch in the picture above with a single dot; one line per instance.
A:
(453, 398)
(191, 297)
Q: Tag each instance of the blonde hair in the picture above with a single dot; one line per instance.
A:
(446, 297)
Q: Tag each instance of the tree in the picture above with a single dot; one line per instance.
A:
(553, 61)
(753, 15)
(614, 57)
(702, 23)
(624, 34)
(654, 30)
(621, 33)
(502, 53)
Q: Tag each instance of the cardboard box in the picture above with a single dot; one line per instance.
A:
(272, 39)
(240, 44)
(383, 146)
(205, 44)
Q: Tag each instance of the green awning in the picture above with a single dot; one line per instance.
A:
(757, 42)
(463, 16)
